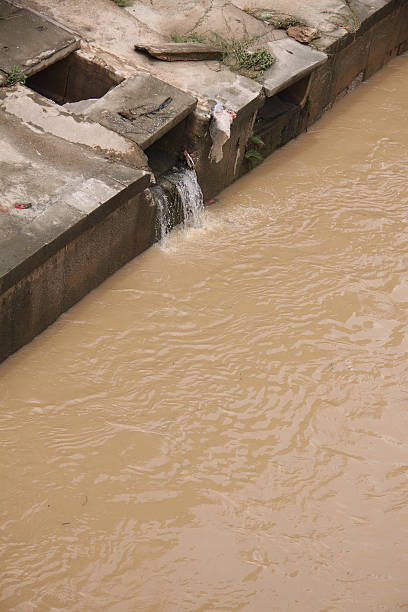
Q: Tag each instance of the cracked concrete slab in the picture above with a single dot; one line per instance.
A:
(229, 22)
(166, 18)
(142, 108)
(294, 61)
(324, 15)
(30, 41)
(42, 116)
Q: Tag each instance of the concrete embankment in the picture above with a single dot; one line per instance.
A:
(87, 123)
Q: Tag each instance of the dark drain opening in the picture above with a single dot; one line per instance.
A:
(168, 150)
(73, 79)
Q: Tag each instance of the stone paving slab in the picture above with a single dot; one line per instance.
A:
(293, 61)
(31, 42)
(142, 108)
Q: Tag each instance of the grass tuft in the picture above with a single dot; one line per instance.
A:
(239, 56)
(185, 38)
(16, 75)
(285, 23)
(122, 3)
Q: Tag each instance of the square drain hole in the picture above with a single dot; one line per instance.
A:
(73, 79)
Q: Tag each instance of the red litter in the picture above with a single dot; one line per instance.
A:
(20, 206)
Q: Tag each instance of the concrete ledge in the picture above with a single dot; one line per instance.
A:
(40, 296)
(294, 61)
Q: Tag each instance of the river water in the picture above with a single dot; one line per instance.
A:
(222, 425)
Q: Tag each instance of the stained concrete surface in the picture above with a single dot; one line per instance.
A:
(139, 100)
(293, 61)
(30, 41)
(68, 186)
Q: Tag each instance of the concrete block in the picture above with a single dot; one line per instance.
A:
(184, 51)
(29, 108)
(133, 108)
(31, 41)
(293, 61)
(69, 188)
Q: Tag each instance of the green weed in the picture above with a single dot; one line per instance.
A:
(16, 75)
(122, 3)
(185, 38)
(257, 141)
(253, 157)
(241, 56)
(285, 23)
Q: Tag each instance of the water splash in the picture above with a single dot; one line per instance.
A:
(179, 199)
(191, 196)
(164, 216)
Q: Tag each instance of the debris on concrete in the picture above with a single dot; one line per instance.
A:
(189, 160)
(142, 108)
(220, 130)
(22, 206)
(189, 51)
(303, 34)
(132, 115)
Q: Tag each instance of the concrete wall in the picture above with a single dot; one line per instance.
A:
(36, 301)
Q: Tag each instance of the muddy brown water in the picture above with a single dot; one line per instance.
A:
(223, 424)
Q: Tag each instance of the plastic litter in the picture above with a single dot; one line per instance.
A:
(220, 130)
(189, 160)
